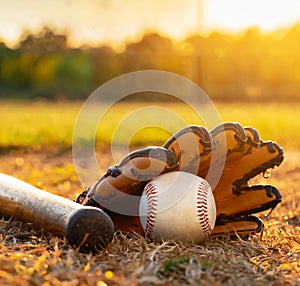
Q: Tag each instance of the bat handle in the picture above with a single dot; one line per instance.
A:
(87, 228)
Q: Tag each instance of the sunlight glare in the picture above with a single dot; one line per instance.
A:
(115, 22)
(235, 15)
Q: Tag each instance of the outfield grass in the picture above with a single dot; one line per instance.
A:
(31, 256)
(40, 124)
(33, 124)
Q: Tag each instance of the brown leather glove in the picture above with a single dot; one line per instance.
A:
(227, 157)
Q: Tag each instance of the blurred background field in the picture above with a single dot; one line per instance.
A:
(252, 76)
(245, 66)
(250, 71)
(36, 125)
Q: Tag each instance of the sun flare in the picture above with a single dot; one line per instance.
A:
(118, 21)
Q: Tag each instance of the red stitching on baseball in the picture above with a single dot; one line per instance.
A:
(152, 205)
(202, 207)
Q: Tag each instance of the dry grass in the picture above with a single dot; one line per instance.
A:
(29, 256)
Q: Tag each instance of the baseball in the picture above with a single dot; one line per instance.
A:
(178, 206)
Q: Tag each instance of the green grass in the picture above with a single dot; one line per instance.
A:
(30, 256)
(34, 124)
(40, 124)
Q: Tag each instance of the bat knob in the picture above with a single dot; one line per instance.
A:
(89, 229)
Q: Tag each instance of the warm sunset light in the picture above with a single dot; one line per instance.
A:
(234, 15)
(112, 21)
(99, 99)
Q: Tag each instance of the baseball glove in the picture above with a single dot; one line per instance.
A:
(228, 157)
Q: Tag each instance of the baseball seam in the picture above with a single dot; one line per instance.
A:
(152, 205)
(202, 208)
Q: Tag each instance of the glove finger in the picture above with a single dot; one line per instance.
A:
(230, 141)
(252, 142)
(253, 137)
(239, 140)
(241, 167)
(267, 156)
(248, 225)
(229, 137)
(192, 146)
(112, 190)
(250, 200)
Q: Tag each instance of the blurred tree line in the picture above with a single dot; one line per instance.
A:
(248, 66)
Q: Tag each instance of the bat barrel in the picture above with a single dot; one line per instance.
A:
(86, 228)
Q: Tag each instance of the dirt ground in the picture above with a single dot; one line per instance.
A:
(31, 256)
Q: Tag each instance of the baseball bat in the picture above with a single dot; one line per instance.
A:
(89, 229)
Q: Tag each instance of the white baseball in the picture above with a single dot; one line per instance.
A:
(178, 206)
